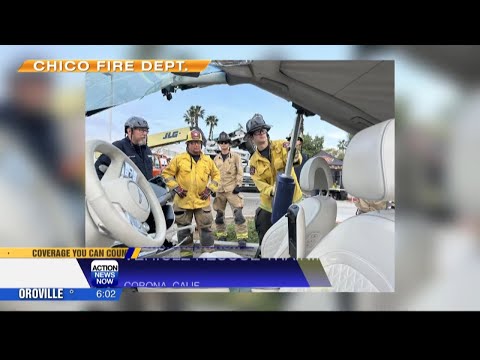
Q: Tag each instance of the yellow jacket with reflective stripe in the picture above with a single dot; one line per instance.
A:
(193, 177)
(264, 172)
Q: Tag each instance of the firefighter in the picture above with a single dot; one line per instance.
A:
(269, 158)
(364, 206)
(231, 176)
(298, 169)
(134, 145)
(193, 176)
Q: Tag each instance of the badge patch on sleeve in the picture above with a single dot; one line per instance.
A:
(252, 170)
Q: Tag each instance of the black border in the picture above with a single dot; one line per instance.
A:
(235, 28)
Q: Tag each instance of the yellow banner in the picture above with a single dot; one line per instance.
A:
(76, 253)
(112, 66)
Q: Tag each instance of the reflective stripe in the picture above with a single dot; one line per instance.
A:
(169, 179)
(186, 253)
(242, 235)
(214, 183)
(220, 234)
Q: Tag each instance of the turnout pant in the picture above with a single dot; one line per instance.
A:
(236, 203)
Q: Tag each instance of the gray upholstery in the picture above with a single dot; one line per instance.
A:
(359, 254)
(320, 212)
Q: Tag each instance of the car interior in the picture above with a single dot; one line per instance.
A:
(355, 96)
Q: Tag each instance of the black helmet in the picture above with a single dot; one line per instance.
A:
(136, 122)
(256, 123)
(224, 137)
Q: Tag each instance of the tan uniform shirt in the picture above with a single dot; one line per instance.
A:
(231, 171)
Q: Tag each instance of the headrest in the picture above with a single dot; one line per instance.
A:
(316, 175)
(369, 164)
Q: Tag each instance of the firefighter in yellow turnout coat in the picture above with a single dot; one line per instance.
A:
(231, 175)
(269, 159)
(193, 176)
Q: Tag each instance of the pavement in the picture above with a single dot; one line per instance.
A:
(251, 201)
(345, 208)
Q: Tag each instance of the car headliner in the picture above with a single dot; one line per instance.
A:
(351, 95)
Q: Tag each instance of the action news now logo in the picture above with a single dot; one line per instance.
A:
(104, 273)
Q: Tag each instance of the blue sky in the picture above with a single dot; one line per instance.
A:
(236, 104)
(231, 104)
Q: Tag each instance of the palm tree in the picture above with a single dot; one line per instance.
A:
(189, 120)
(192, 115)
(211, 121)
(342, 145)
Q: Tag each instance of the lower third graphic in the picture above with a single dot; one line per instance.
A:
(104, 273)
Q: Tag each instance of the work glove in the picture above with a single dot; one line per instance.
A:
(205, 194)
(236, 190)
(180, 192)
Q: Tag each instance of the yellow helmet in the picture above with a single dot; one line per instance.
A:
(194, 135)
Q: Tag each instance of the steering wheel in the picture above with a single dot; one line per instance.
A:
(121, 204)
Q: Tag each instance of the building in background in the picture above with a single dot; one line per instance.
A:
(336, 166)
